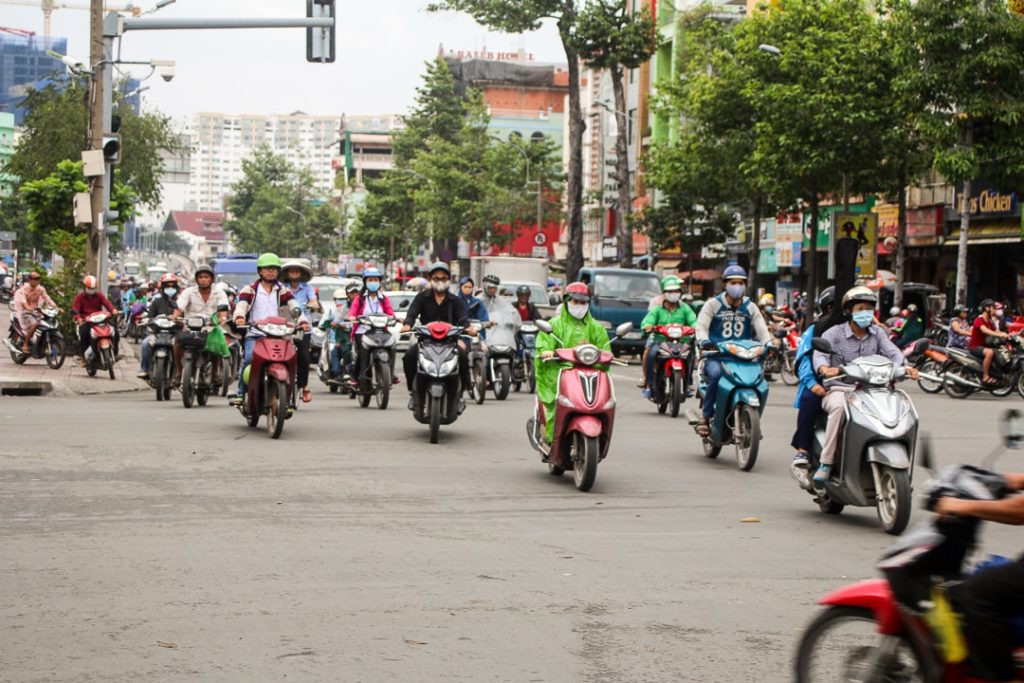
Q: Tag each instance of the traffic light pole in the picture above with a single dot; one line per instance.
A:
(97, 97)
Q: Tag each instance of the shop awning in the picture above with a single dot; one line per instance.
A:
(703, 275)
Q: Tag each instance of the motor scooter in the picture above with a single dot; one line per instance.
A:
(522, 368)
(99, 355)
(907, 626)
(437, 388)
(963, 372)
(47, 341)
(197, 378)
(929, 359)
(477, 363)
(584, 411)
(874, 461)
(162, 371)
(741, 400)
(270, 377)
(673, 361)
(376, 360)
(499, 369)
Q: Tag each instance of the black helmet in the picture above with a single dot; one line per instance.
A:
(958, 309)
(827, 297)
(523, 289)
(203, 269)
(440, 265)
(986, 303)
(491, 280)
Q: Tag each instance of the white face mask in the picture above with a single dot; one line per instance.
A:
(439, 285)
(90, 291)
(673, 297)
(578, 311)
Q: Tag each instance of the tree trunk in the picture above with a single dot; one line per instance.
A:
(755, 246)
(965, 226)
(574, 182)
(901, 240)
(624, 229)
(812, 261)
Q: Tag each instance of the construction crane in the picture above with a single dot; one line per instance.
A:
(17, 31)
(49, 5)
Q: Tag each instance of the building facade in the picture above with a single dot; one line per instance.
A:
(6, 152)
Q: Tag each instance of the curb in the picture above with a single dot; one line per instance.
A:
(14, 387)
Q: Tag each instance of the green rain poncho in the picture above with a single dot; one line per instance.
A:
(572, 332)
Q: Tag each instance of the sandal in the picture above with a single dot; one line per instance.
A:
(307, 395)
(703, 430)
(989, 380)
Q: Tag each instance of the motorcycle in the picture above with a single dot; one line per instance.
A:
(135, 323)
(100, 353)
(47, 341)
(6, 294)
(910, 629)
(522, 368)
(780, 357)
(584, 412)
(477, 363)
(323, 367)
(742, 398)
(162, 374)
(929, 360)
(875, 458)
(499, 369)
(317, 339)
(231, 364)
(962, 373)
(270, 377)
(437, 389)
(197, 381)
(672, 367)
(376, 360)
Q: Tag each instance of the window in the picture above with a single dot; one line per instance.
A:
(537, 137)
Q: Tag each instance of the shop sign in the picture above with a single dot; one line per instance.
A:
(862, 227)
(987, 202)
(788, 240)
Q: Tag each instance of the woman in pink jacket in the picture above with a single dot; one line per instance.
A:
(371, 301)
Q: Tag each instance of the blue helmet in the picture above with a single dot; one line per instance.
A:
(371, 272)
(734, 273)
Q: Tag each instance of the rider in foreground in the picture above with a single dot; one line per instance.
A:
(201, 300)
(265, 298)
(671, 311)
(730, 316)
(436, 304)
(991, 598)
(571, 327)
(27, 300)
(852, 340)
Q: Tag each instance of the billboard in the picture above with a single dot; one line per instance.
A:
(862, 227)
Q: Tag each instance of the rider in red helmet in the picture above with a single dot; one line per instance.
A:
(87, 302)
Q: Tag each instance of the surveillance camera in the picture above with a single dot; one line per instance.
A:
(75, 66)
(165, 68)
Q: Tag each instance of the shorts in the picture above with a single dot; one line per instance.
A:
(26, 319)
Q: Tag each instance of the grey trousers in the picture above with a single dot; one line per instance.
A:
(834, 404)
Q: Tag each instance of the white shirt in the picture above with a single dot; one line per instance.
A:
(190, 302)
(264, 305)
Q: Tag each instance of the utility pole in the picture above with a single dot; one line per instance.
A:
(97, 97)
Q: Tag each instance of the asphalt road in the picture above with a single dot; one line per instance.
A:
(352, 550)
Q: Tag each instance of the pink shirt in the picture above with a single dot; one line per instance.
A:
(28, 298)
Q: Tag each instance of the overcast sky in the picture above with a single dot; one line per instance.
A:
(382, 45)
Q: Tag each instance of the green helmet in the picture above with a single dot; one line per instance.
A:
(268, 260)
(671, 282)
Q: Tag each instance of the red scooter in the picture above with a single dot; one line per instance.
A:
(672, 367)
(585, 412)
(270, 377)
(100, 353)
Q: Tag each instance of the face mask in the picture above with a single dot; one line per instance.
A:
(439, 285)
(673, 297)
(578, 311)
(999, 314)
(170, 291)
(90, 291)
(863, 319)
(372, 286)
(735, 291)
(769, 309)
(338, 303)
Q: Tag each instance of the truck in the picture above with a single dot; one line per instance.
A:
(621, 295)
(237, 270)
(512, 268)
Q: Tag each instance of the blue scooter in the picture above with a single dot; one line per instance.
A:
(742, 397)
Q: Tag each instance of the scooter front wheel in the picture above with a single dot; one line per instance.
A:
(748, 436)
(894, 500)
(586, 453)
(382, 372)
(435, 418)
(56, 354)
(187, 383)
(278, 412)
(108, 360)
(676, 397)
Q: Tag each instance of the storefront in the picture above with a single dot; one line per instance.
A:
(925, 234)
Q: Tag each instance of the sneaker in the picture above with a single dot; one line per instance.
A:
(648, 393)
(462, 405)
(799, 469)
(236, 400)
(412, 402)
(143, 375)
(823, 473)
(800, 460)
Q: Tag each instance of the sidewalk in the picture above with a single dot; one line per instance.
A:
(70, 379)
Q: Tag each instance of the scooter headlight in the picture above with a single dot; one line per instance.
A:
(448, 367)
(588, 355)
(275, 329)
(745, 353)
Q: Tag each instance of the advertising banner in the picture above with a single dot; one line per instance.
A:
(862, 227)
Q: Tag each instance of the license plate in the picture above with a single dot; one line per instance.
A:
(634, 335)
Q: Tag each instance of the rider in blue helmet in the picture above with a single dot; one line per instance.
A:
(727, 317)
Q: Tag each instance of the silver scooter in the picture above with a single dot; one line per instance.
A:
(875, 459)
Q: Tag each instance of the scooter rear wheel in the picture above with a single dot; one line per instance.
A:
(953, 388)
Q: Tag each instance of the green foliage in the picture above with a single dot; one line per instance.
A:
(272, 210)
(173, 242)
(607, 36)
(50, 200)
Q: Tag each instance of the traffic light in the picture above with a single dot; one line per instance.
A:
(112, 148)
(320, 41)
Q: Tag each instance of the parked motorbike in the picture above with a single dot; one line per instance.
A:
(905, 627)
(161, 374)
(376, 360)
(674, 356)
(962, 373)
(437, 388)
(522, 368)
(47, 341)
(584, 412)
(742, 398)
(477, 363)
(499, 369)
(875, 459)
(197, 380)
(270, 377)
(100, 353)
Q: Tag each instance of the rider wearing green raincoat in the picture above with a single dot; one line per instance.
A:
(572, 326)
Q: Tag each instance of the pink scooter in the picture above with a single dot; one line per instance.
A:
(585, 412)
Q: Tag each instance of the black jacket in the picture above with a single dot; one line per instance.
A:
(425, 307)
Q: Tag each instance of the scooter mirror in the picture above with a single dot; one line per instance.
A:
(543, 326)
(296, 313)
(1013, 428)
(820, 344)
(623, 329)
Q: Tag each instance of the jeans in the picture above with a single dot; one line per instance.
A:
(146, 352)
(989, 599)
(335, 359)
(652, 358)
(810, 408)
(712, 373)
(302, 371)
(250, 344)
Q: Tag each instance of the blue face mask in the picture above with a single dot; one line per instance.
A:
(169, 292)
(372, 286)
(863, 319)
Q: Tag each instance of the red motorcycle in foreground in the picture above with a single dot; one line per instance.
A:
(100, 353)
(906, 627)
(585, 412)
(672, 367)
(270, 377)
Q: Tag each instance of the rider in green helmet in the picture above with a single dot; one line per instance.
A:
(671, 310)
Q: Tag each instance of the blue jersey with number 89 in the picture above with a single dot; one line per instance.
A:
(731, 324)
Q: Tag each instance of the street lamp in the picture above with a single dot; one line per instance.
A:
(770, 49)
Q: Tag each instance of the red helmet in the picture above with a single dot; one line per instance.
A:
(578, 291)
(90, 282)
(168, 278)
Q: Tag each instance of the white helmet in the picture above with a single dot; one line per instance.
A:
(339, 294)
(895, 310)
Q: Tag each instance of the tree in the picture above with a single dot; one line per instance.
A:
(519, 16)
(965, 61)
(609, 37)
(173, 243)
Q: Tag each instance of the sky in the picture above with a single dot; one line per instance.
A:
(381, 48)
